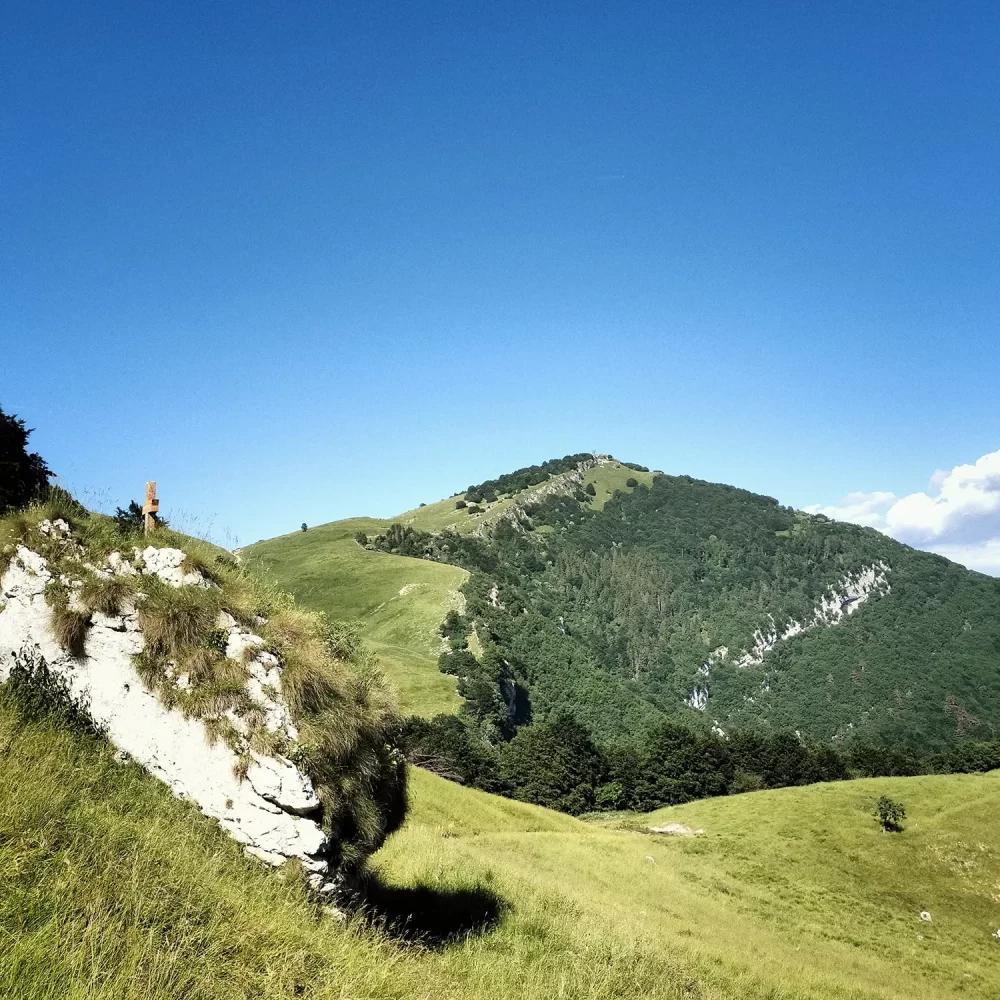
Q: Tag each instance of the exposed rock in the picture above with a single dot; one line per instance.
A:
(925, 916)
(280, 782)
(839, 602)
(676, 830)
(166, 564)
(266, 812)
(239, 641)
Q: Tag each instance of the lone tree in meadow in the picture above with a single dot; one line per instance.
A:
(305, 527)
(24, 476)
(890, 814)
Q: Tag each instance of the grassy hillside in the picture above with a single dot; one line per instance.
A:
(400, 601)
(612, 476)
(110, 888)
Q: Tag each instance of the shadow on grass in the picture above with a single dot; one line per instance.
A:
(427, 916)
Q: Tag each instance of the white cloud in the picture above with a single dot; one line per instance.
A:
(959, 518)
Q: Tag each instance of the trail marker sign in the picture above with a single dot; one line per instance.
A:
(150, 507)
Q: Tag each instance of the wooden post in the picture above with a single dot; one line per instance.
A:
(150, 507)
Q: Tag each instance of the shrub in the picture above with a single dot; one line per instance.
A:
(460, 505)
(890, 814)
(554, 764)
(304, 526)
(610, 795)
(361, 538)
(132, 521)
(35, 693)
(745, 781)
(590, 489)
(631, 482)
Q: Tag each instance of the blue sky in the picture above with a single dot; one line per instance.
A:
(301, 262)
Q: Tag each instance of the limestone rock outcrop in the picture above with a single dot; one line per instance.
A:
(273, 811)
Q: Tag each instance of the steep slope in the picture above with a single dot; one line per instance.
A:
(111, 888)
(268, 718)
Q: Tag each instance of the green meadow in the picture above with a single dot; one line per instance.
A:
(112, 888)
(400, 601)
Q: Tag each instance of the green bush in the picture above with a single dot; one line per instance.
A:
(890, 814)
(590, 489)
(132, 521)
(631, 482)
(460, 505)
(554, 764)
(36, 693)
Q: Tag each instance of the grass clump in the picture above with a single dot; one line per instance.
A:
(69, 622)
(107, 595)
(174, 619)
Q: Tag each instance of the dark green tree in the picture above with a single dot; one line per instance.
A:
(131, 520)
(24, 476)
(890, 814)
(554, 764)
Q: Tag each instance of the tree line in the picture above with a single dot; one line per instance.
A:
(558, 764)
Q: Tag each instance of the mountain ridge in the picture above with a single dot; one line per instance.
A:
(708, 566)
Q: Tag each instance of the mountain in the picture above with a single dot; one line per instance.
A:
(627, 597)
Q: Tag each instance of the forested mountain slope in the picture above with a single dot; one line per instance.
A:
(672, 597)
(651, 590)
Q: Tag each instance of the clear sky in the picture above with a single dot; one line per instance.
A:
(303, 261)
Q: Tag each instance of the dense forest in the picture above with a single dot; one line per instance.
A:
(610, 617)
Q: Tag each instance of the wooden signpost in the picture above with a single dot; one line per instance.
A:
(150, 507)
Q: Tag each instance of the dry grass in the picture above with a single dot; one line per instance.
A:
(175, 619)
(107, 595)
(70, 628)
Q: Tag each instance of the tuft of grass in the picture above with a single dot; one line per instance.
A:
(242, 767)
(70, 628)
(69, 623)
(107, 595)
(176, 618)
(194, 562)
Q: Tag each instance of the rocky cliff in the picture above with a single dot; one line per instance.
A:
(262, 800)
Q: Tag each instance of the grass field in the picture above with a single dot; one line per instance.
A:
(400, 601)
(610, 477)
(110, 888)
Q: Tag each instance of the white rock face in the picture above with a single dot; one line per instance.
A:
(269, 812)
(166, 564)
(839, 602)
